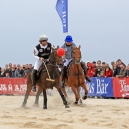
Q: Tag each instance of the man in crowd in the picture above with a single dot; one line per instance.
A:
(122, 72)
(103, 65)
(17, 71)
(117, 70)
(98, 69)
(94, 64)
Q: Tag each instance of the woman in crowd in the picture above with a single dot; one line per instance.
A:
(108, 72)
(90, 70)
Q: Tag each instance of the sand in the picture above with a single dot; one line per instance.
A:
(94, 114)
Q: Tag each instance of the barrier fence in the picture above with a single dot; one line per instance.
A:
(101, 87)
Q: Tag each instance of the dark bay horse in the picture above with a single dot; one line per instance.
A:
(54, 63)
(75, 76)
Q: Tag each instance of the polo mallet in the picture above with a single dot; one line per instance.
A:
(48, 79)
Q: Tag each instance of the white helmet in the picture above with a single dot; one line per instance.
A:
(43, 37)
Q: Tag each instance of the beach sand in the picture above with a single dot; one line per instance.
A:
(94, 114)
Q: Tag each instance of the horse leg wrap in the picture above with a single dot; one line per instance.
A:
(76, 102)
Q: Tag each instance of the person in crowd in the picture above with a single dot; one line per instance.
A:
(98, 69)
(103, 65)
(102, 73)
(91, 70)
(30, 66)
(117, 70)
(112, 64)
(12, 72)
(15, 66)
(6, 69)
(122, 72)
(17, 71)
(7, 75)
(22, 71)
(2, 72)
(114, 68)
(94, 64)
(127, 71)
(108, 72)
(10, 68)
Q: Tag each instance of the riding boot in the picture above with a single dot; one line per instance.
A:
(84, 68)
(63, 76)
(34, 80)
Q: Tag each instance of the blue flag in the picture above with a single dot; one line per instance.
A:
(62, 9)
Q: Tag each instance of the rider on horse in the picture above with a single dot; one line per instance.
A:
(41, 52)
(68, 57)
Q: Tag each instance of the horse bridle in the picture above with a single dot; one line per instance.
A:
(74, 58)
(55, 60)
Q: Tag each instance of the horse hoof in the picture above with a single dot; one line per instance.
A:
(35, 105)
(85, 97)
(67, 106)
(44, 107)
(76, 102)
(23, 105)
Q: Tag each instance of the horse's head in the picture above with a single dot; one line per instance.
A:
(76, 54)
(55, 58)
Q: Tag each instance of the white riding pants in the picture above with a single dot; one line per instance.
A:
(38, 63)
(67, 62)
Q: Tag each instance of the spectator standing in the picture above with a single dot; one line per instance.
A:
(13, 72)
(117, 70)
(98, 69)
(127, 71)
(112, 64)
(6, 69)
(7, 75)
(14, 65)
(94, 64)
(108, 72)
(2, 72)
(90, 70)
(103, 66)
(17, 71)
(122, 71)
(102, 73)
(10, 69)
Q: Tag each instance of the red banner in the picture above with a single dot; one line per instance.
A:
(121, 87)
(13, 86)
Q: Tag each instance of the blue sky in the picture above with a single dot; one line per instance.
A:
(101, 27)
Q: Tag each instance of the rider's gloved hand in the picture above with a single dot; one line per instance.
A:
(41, 58)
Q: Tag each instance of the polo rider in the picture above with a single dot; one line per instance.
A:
(41, 53)
(68, 57)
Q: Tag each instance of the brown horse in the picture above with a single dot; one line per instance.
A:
(75, 76)
(54, 63)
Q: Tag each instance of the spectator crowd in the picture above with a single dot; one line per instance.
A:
(102, 69)
(94, 69)
(15, 71)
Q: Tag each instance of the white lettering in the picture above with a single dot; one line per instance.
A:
(10, 88)
(3, 87)
(101, 86)
(124, 87)
(23, 87)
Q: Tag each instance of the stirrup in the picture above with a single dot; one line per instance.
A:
(34, 89)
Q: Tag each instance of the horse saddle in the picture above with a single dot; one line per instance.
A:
(41, 68)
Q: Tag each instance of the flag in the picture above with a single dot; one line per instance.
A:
(62, 10)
